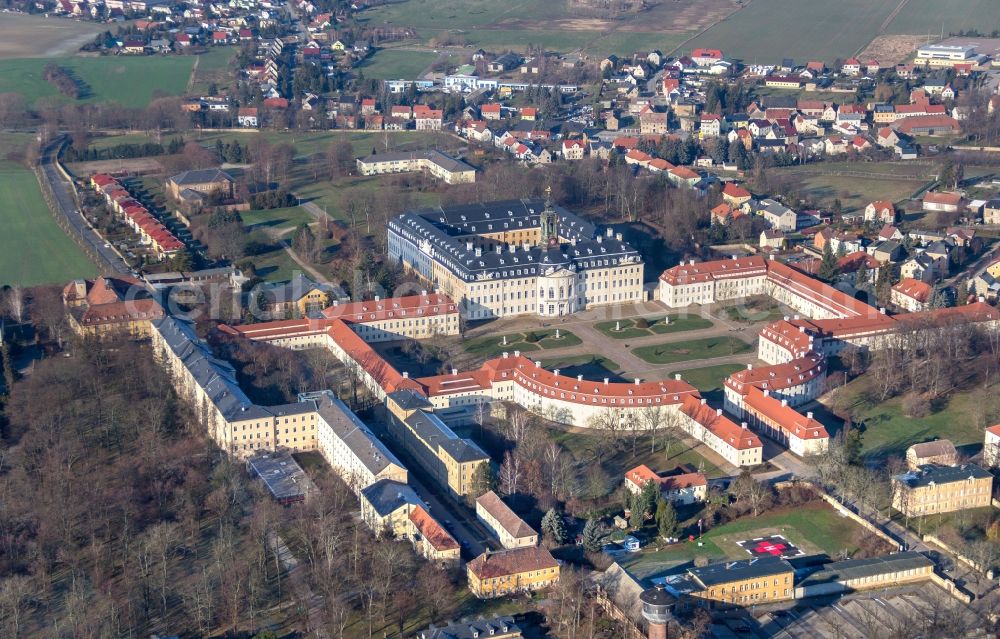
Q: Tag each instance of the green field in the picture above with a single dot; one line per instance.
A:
(887, 181)
(389, 64)
(708, 379)
(888, 432)
(657, 326)
(768, 31)
(929, 16)
(493, 345)
(692, 350)
(814, 527)
(277, 219)
(34, 36)
(33, 249)
(130, 81)
(213, 66)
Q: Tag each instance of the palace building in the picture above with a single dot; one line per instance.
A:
(516, 257)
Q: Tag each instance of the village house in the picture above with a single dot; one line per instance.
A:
(772, 239)
(991, 447)
(991, 211)
(735, 194)
(573, 149)
(295, 298)
(949, 202)
(206, 182)
(246, 117)
(912, 295)
(881, 211)
(678, 486)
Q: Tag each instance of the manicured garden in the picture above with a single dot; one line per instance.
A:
(646, 326)
(494, 345)
(706, 348)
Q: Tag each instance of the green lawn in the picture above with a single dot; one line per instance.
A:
(923, 16)
(706, 348)
(278, 219)
(276, 266)
(801, 30)
(33, 249)
(213, 66)
(813, 527)
(592, 367)
(130, 81)
(656, 325)
(389, 64)
(888, 432)
(493, 345)
(708, 378)
(764, 311)
(887, 181)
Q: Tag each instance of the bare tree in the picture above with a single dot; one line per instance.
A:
(14, 303)
(510, 473)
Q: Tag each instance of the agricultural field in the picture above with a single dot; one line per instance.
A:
(130, 81)
(559, 26)
(33, 249)
(26, 36)
(213, 66)
(856, 184)
(919, 17)
(392, 64)
(808, 30)
(692, 350)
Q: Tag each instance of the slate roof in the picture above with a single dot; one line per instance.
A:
(853, 569)
(386, 496)
(430, 428)
(349, 428)
(729, 571)
(201, 176)
(930, 474)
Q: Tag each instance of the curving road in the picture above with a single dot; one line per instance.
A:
(65, 201)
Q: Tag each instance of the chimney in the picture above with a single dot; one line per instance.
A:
(690, 262)
(718, 412)
(605, 381)
(517, 353)
(423, 291)
(767, 393)
(677, 376)
(454, 371)
(579, 378)
(786, 318)
(611, 232)
(504, 355)
(499, 249)
(749, 367)
(556, 372)
(479, 252)
(636, 381)
(784, 402)
(704, 401)
(881, 310)
(618, 236)
(468, 245)
(743, 424)
(376, 298)
(406, 374)
(538, 364)
(809, 414)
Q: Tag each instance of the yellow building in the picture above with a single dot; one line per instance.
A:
(110, 305)
(451, 460)
(932, 489)
(512, 571)
(295, 298)
(511, 530)
(743, 583)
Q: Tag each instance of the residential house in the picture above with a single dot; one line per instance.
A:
(991, 447)
(246, 117)
(490, 111)
(881, 211)
(295, 298)
(919, 267)
(852, 67)
(991, 212)
(495, 574)
(652, 122)
(735, 194)
(777, 215)
(772, 239)
(677, 486)
(573, 149)
(511, 530)
(912, 295)
(940, 452)
(710, 125)
(946, 201)
(890, 232)
(207, 182)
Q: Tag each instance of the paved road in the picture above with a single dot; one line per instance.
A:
(63, 192)
(458, 521)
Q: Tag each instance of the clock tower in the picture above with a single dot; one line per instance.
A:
(549, 222)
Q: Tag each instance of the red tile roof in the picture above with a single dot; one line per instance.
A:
(779, 414)
(432, 531)
(735, 190)
(511, 562)
(778, 376)
(943, 197)
(915, 289)
(715, 270)
(722, 427)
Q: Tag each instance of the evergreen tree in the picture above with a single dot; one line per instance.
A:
(591, 536)
(828, 267)
(483, 480)
(666, 519)
(554, 526)
(942, 297)
(861, 277)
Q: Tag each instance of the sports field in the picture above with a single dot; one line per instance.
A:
(25, 36)
(918, 17)
(130, 81)
(768, 31)
(33, 249)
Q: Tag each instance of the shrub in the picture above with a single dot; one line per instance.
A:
(530, 338)
(916, 406)
(641, 323)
